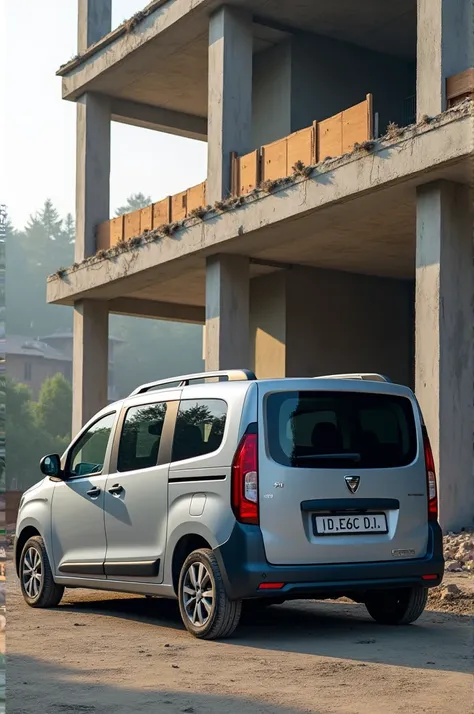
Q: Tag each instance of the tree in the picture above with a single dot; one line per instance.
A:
(53, 409)
(32, 254)
(26, 441)
(134, 202)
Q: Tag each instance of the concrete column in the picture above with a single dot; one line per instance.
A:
(230, 96)
(92, 171)
(94, 22)
(227, 313)
(90, 360)
(444, 341)
(444, 48)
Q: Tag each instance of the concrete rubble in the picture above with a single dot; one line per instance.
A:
(459, 552)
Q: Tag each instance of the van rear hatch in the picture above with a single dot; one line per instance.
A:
(342, 475)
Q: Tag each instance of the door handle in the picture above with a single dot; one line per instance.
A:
(116, 489)
(93, 492)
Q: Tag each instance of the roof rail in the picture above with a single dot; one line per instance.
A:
(369, 377)
(232, 375)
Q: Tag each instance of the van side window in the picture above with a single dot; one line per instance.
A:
(141, 436)
(199, 428)
(88, 455)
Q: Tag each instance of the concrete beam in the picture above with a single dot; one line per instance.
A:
(159, 119)
(172, 312)
(230, 95)
(90, 360)
(435, 150)
(444, 48)
(444, 345)
(94, 22)
(227, 313)
(92, 171)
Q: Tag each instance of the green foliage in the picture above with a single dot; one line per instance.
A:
(27, 442)
(134, 202)
(53, 409)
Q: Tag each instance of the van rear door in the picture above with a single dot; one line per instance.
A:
(342, 475)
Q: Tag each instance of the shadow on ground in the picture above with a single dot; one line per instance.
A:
(438, 641)
(54, 689)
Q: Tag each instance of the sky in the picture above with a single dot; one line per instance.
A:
(37, 128)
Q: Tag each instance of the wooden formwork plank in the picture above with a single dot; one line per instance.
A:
(162, 212)
(234, 174)
(102, 236)
(355, 129)
(146, 219)
(116, 230)
(300, 147)
(132, 224)
(460, 85)
(275, 160)
(179, 206)
(370, 117)
(330, 137)
(248, 172)
(196, 197)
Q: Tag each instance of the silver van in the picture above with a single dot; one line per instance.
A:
(219, 489)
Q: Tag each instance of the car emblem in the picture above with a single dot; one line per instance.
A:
(352, 483)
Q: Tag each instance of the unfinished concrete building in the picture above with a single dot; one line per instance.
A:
(334, 231)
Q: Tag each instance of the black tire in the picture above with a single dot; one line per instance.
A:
(220, 615)
(397, 607)
(48, 593)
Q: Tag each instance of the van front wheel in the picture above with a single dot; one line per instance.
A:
(206, 611)
(397, 607)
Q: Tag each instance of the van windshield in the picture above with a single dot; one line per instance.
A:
(313, 429)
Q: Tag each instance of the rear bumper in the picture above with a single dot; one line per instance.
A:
(244, 567)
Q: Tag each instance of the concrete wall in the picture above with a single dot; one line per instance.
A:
(329, 76)
(268, 325)
(271, 94)
(306, 322)
(350, 323)
(313, 77)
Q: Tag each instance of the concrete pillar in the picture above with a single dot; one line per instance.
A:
(444, 47)
(94, 22)
(444, 341)
(230, 96)
(90, 360)
(92, 171)
(227, 313)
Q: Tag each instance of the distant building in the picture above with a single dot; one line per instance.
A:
(63, 342)
(33, 361)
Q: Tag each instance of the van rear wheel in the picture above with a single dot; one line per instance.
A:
(206, 611)
(397, 607)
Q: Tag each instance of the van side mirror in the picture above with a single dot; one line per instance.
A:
(51, 466)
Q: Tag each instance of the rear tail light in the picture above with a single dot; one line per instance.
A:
(430, 479)
(245, 480)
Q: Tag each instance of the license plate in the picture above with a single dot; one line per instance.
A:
(352, 524)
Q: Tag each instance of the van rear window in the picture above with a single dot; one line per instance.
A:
(340, 430)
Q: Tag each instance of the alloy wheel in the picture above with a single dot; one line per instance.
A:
(32, 573)
(198, 594)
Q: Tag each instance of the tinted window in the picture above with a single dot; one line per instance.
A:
(88, 455)
(340, 429)
(199, 428)
(140, 438)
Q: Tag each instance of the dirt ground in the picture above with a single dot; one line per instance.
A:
(110, 654)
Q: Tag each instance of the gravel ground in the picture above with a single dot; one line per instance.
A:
(114, 654)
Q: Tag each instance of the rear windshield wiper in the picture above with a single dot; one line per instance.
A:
(329, 457)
